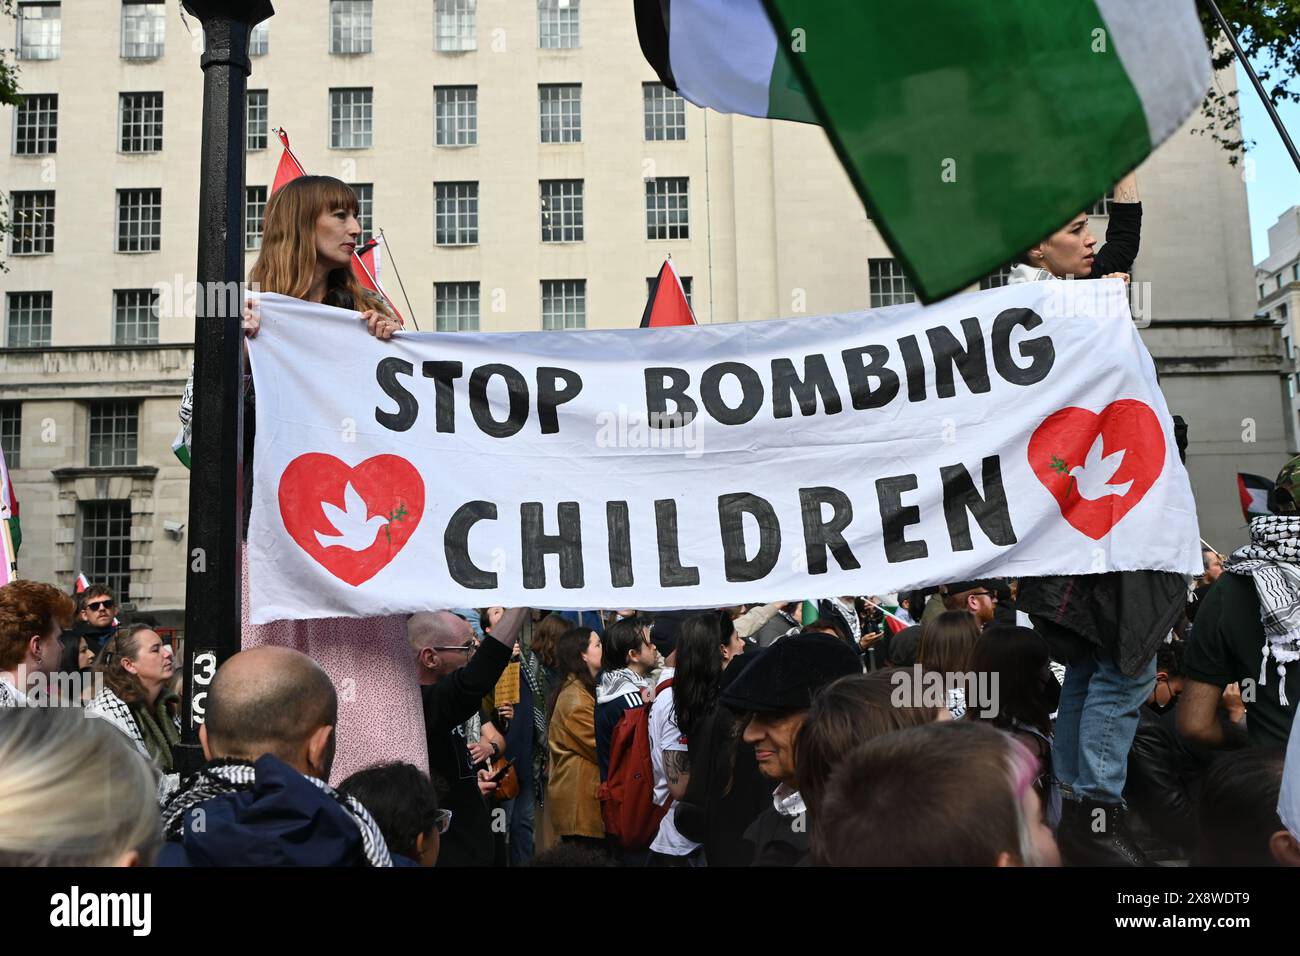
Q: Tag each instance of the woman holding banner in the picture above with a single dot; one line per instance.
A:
(309, 235)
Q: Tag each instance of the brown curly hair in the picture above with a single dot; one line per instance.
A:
(29, 608)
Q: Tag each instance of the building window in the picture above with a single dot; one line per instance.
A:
(11, 433)
(558, 25)
(39, 31)
(456, 305)
(36, 125)
(665, 113)
(114, 433)
(135, 317)
(140, 122)
(1295, 272)
(1287, 348)
(258, 109)
(143, 29)
(1261, 290)
(1102, 206)
(455, 214)
(561, 112)
(667, 210)
(996, 280)
(562, 210)
(1281, 310)
(454, 29)
(889, 286)
(350, 26)
(254, 212)
(33, 223)
(365, 208)
(29, 319)
(688, 286)
(259, 41)
(564, 304)
(105, 546)
(455, 115)
(350, 118)
(139, 220)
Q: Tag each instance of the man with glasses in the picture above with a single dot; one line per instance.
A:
(977, 597)
(455, 674)
(95, 622)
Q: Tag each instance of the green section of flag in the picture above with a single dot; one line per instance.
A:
(786, 98)
(970, 130)
(15, 533)
(180, 449)
(809, 615)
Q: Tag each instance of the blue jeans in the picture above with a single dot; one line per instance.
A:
(520, 813)
(1095, 726)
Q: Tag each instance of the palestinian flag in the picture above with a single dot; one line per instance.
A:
(666, 304)
(11, 533)
(1254, 492)
(970, 130)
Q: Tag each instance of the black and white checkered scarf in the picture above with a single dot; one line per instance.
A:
(233, 776)
(1272, 559)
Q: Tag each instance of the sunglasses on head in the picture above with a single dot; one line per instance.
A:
(99, 605)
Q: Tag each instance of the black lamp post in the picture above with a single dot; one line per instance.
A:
(212, 584)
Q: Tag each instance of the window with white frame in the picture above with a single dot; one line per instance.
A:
(114, 433)
(259, 41)
(139, 220)
(32, 222)
(365, 208)
(665, 113)
(562, 210)
(144, 27)
(455, 214)
(104, 545)
(258, 111)
(688, 284)
(39, 31)
(889, 285)
(455, 115)
(351, 28)
(140, 122)
(561, 112)
(254, 212)
(36, 125)
(454, 27)
(29, 318)
(135, 317)
(456, 306)
(11, 433)
(558, 25)
(1102, 206)
(564, 304)
(996, 280)
(667, 208)
(350, 118)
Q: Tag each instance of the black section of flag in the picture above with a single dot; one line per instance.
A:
(652, 29)
(1255, 492)
(654, 286)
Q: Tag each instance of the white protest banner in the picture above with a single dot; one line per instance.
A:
(1013, 432)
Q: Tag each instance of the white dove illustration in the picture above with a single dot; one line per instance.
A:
(1092, 478)
(355, 531)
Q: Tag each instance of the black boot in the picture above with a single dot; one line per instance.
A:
(1096, 834)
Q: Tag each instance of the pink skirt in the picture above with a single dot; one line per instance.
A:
(374, 671)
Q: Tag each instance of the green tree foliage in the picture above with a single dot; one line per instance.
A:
(1269, 34)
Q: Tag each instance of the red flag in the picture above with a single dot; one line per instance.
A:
(367, 272)
(667, 304)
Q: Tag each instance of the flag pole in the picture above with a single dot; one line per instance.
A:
(1259, 87)
(400, 284)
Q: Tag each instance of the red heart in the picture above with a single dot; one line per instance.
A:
(389, 487)
(1062, 443)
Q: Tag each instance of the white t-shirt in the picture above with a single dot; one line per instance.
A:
(664, 735)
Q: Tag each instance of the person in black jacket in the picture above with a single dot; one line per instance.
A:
(455, 675)
(1070, 251)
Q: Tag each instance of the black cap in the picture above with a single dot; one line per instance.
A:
(789, 673)
(666, 629)
(975, 584)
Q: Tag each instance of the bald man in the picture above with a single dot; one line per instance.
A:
(262, 800)
(455, 674)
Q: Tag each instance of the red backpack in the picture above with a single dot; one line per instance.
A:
(627, 795)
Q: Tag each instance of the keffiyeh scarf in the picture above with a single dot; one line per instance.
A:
(1272, 559)
(234, 776)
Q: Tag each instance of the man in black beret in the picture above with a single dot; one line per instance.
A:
(776, 691)
(979, 597)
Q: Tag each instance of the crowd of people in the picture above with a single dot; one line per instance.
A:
(924, 728)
